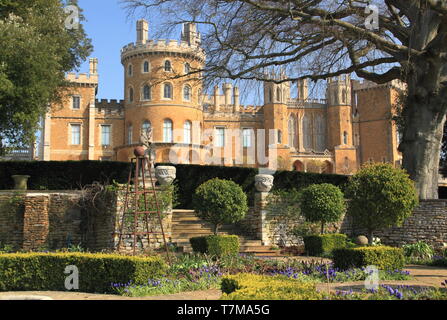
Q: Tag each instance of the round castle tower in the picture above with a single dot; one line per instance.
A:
(158, 95)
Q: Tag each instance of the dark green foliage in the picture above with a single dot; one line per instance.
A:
(190, 177)
(35, 53)
(216, 245)
(322, 203)
(317, 245)
(381, 196)
(45, 272)
(220, 201)
(62, 175)
(384, 258)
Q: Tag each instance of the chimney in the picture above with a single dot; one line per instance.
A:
(303, 89)
(93, 66)
(142, 31)
(236, 99)
(227, 92)
(190, 34)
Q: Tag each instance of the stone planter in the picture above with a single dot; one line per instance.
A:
(165, 174)
(263, 182)
(20, 182)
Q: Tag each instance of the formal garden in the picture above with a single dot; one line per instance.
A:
(379, 196)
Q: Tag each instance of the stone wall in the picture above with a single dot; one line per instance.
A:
(428, 223)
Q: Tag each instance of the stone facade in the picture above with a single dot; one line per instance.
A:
(350, 126)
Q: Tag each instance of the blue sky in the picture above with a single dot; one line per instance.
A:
(110, 29)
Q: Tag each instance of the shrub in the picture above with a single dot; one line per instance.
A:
(259, 287)
(216, 245)
(190, 177)
(381, 196)
(220, 201)
(322, 203)
(418, 251)
(317, 245)
(384, 258)
(45, 271)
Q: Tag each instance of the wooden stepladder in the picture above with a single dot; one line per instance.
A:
(141, 212)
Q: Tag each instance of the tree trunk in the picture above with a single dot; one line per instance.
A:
(424, 117)
(322, 228)
(216, 229)
(370, 237)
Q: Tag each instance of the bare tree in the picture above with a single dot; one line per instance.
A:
(318, 39)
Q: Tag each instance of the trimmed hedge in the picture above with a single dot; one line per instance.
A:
(216, 245)
(317, 245)
(45, 271)
(190, 177)
(262, 287)
(62, 175)
(385, 258)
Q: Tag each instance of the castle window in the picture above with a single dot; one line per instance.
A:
(167, 131)
(145, 128)
(279, 136)
(130, 94)
(129, 70)
(145, 66)
(292, 131)
(187, 93)
(75, 134)
(76, 102)
(105, 135)
(278, 95)
(270, 95)
(345, 137)
(129, 134)
(168, 67)
(187, 68)
(167, 91)
(307, 132)
(220, 137)
(247, 137)
(146, 92)
(187, 132)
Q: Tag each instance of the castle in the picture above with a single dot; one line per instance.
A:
(352, 126)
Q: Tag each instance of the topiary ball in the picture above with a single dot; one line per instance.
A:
(361, 240)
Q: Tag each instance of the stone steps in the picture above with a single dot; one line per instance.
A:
(185, 225)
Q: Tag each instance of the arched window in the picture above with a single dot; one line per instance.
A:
(129, 134)
(145, 66)
(278, 94)
(187, 68)
(145, 128)
(167, 131)
(168, 67)
(130, 94)
(292, 131)
(129, 70)
(345, 137)
(320, 133)
(167, 91)
(146, 92)
(187, 137)
(307, 133)
(187, 93)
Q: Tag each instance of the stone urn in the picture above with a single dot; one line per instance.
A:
(263, 182)
(20, 182)
(165, 174)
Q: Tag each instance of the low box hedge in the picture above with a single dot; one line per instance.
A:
(45, 271)
(383, 257)
(216, 245)
(262, 287)
(324, 244)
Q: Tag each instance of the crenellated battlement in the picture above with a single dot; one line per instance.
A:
(82, 78)
(368, 85)
(110, 107)
(156, 46)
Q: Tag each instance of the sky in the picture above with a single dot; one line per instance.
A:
(110, 29)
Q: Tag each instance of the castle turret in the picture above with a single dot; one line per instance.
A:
(190, 34)
(142, 31)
